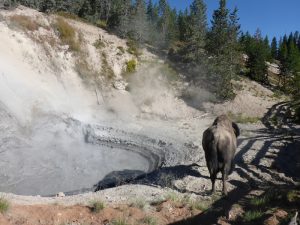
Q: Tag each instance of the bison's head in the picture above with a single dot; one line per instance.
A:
(224, 120)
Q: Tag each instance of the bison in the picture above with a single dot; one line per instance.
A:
(219, 142)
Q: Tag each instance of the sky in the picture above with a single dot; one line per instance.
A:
(272, 17)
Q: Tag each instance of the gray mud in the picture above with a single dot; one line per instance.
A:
(63, 155)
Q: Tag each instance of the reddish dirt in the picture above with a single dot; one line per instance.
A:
(165, 213)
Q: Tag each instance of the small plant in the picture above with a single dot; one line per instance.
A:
(122, 50)
(133, 48)
(97, 206)
(101, 23)
(67, 34)
(150, 220)
(139, 203)
(106, 68)
(69, 15)
(4, 205)
(199, 205)
(99, 44)
(259, 201)
(119, 221)
(252, 215)
(240, 118)
(173, 196)
(131, 66)
(293, 196)
(24, 22)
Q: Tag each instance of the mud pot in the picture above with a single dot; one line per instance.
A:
(63, 155)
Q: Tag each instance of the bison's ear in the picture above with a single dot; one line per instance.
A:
(236, 129)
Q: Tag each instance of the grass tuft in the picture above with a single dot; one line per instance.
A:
(99, 44)
(138, 203)
(97, 206)
(252, 215)
(133, 48)
(240, 118)
(24, 22)
(119, 221)
(67, 34)
(260, 201)
(150, 220)
(4, 205)
(131, 66)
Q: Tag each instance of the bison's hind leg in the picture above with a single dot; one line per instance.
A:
(225, 171)
(213, 177)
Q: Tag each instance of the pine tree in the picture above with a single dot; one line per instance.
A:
(234, 48)
(198, 26)
(257, 59)
(274, 50)
(139, 23)
(164, 13)
(47, 5)
(184, 25)
(218, 35)
(267, 48)
(223, 46)
(124, 24)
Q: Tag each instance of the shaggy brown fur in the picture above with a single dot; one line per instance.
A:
(219, 143)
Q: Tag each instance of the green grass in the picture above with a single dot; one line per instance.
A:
(97, 206)
(173, 196)
(131, 66)
(121, 49)
(260, 201)
(252, 215)
(138, 203)
(106, 68)
(67, 34)
(4, 205)
(199, 205)
(99, 44)
(101, 23)
(120, 221)
(133, 48)
(240, 118)
(71, 16)
(293, 196)
(149, 220)
(24, 22)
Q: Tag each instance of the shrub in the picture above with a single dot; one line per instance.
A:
(260, 201)
(119, 222)
(252, 215)
(199, 205)
(240, 118)
(67, 34)
(122, 50)
(99, 44)
(106, 68)
(97, 206)
(24, 22)
(68, 15)
(101, 23)
(139, 203)
(131, 66)
(133, 48)
(149, 220)
(4, 205)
